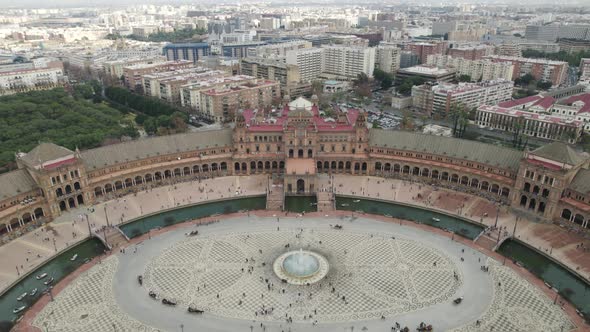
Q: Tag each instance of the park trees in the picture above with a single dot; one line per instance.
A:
(56, 116)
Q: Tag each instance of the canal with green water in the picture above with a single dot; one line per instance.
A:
(423, 216)
(143, 225)
(57, 268)
(570, 286)
(300, 204)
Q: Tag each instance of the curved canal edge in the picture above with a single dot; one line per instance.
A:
(568, 284)
(57, 267)
(60, 265)
(465, 227)
(141, 225)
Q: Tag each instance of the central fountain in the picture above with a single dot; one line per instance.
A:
(301, 267)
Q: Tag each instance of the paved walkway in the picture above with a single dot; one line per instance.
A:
(528, 308)
(31, 250)
(559, 242)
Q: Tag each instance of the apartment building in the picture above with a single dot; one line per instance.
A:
(388, 58)
(554, 32)
(408, 59)
(270, 69)
(220, 102)
(470, 95)
(529, 123)
(23, 80)
(115, 68)
(167, 85)
(188, 51)
(288, 75)
(484, 69)
(132, 74)
(308, 60)
(190, 93)
(471, 53)
(539, 45)
(574, 45)
(278, 49)
(429, 73)
(145, 31)
(541, 69)
(348, 62)
(239, 50)
(422, 98)
(509, 49)
(422, 50)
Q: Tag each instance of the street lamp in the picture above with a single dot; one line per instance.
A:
(497, 213)
(514, 231)
(181, 327)
(88, 223)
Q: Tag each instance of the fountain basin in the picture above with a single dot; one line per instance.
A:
(301, 267)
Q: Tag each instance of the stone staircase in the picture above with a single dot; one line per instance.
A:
(326, 201)
(276, 195)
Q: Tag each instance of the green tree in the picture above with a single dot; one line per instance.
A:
(464, 78)
(458, 117)
(543, 85)
(406, 85)
(176, 36)
(524, 80)
(56, 116)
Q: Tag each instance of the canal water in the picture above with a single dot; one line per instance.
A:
(300, 203)
(423, 216)
(141, 226)
(570, 286)
(58, 267)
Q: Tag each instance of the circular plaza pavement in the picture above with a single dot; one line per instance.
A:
(376, 270)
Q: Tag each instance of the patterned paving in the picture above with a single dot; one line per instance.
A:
(518, 307)
(376, 275)
(88, 304)
(369, 276)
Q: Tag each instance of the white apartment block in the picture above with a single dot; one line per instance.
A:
(470, 95)
(31, 79)
(115, 68)
(191, 93)
(167, 85)
(279, 49)
(387, 58)
(348, 61)
(484, 70)
(308, 60)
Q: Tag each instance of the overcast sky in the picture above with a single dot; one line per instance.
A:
(105, 3)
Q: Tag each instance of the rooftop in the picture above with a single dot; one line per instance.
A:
(427, 70)
(447, 146)
(44, 153)
(15, 183)
(530, 115)
(299, 108)
(560, 152)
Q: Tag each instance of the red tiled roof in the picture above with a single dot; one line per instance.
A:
(521, 101)
(276, 121)
(546, 102)
(585, 98)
